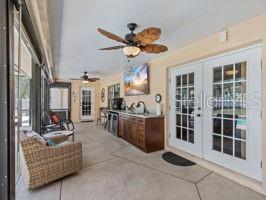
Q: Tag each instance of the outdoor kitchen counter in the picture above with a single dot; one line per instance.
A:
(143, 131)
(136, 115)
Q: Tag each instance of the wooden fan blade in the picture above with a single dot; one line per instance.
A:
(113, 48)
(154, 48)
(112, 36)
(75, 78)
(93, 79)
(148, 36)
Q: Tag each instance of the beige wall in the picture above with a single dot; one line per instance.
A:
(242, 35)
(157, 85)
(75, 86)
(107, 81)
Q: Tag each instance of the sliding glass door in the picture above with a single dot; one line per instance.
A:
(22, 88)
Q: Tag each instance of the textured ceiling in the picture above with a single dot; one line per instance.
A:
(76, 40)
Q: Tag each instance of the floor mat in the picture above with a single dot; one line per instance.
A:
(176, 159)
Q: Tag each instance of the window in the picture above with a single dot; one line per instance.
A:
(113, 93)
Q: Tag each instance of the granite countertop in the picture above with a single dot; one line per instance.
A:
(151, 115)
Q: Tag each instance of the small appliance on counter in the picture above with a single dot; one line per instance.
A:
(117, 104)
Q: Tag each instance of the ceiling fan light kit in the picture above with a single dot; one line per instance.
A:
(135, 43)
(131, 51)
(86, 79)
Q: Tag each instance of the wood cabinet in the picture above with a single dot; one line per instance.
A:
(145, 133)
(121, 127)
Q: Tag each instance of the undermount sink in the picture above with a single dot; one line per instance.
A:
(135, 113)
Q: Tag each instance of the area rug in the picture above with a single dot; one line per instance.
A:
(176, 159)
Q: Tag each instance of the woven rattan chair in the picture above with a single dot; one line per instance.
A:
(43, 164)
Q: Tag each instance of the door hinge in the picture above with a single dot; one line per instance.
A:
(169, 80)
(261, 64)
(261, 164)
(261, 114)
(169, 135)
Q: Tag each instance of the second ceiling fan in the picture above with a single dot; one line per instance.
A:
(85, 78)
(135, 43)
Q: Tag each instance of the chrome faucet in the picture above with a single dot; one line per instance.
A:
(144, 105)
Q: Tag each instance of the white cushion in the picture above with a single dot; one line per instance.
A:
(33, 134)
(63, 143)
(51, 134)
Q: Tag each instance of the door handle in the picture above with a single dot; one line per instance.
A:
(198, 115)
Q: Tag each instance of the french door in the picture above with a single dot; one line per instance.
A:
(226, 110)
(86, 103)
(186, 111)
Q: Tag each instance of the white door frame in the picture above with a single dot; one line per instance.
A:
(86, 117)
(256, 172)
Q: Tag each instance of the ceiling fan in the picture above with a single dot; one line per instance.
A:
(86, 79)
(135, 43)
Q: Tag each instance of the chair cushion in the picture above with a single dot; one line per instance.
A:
(64, 143)
(33, 134)
(51, 134)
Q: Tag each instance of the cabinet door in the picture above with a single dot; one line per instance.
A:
(127, 130)
(141, 140)
(141, 134)
(122, 128)
(133, 132)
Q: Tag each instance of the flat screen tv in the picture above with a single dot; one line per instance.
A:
(136, 80)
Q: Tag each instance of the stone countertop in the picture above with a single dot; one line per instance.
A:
(135, 114)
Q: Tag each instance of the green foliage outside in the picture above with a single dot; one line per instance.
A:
(25, 89)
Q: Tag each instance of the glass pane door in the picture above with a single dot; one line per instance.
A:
(232, 116)
(185, 124)
(86, 104)
(219, 100)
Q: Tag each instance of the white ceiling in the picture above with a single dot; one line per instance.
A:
(75, 38)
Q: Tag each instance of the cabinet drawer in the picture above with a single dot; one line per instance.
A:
(122, 116)
(140, 133)
(132, 119)
(140, 121)
(140, 127)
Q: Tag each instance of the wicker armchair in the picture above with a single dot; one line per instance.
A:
(43, 164)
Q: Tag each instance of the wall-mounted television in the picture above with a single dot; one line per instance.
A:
(136, 80)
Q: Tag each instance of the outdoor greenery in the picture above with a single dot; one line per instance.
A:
(25, 89)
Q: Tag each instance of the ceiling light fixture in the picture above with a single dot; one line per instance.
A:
(131, 51)
(231, 72)
(85, 81)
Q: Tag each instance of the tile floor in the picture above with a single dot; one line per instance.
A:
(115, 170)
